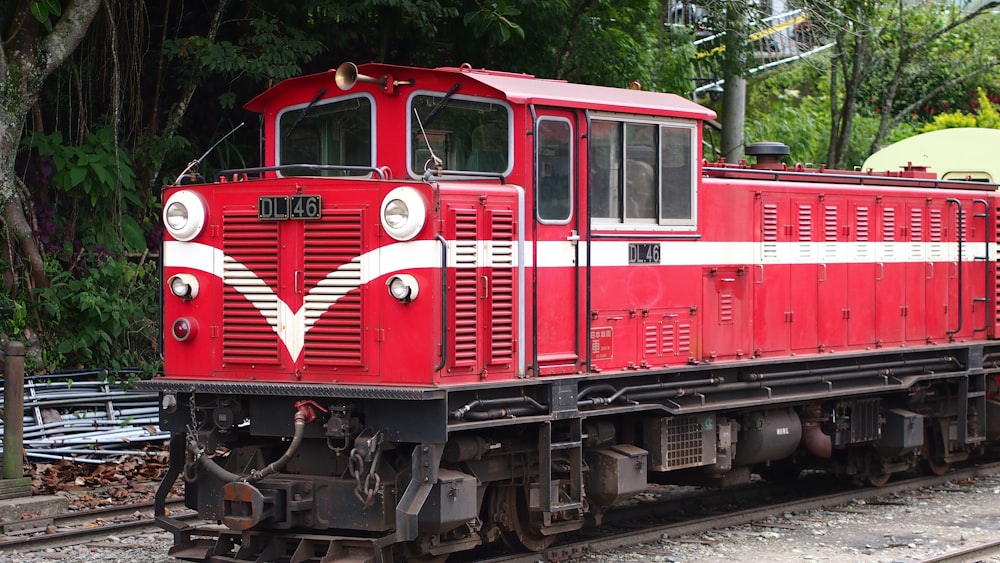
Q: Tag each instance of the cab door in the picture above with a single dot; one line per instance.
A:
(556, 252)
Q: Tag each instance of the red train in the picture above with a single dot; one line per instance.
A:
(458, 306)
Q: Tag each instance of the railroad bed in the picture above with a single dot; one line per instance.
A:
(908, 521)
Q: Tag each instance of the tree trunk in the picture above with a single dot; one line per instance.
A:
(27, 57)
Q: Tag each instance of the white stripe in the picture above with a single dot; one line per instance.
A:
(291, 327)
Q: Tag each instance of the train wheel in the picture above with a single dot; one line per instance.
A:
(932, 465)
(932, 462)
(878, 480)
(524, 529)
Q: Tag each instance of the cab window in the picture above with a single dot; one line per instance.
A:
(335, 133)
(465, 135)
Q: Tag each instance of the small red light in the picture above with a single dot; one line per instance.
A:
(183, 329)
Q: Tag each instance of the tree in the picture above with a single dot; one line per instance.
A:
(31, 48)
(886, 46)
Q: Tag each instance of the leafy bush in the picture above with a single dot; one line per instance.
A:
(106, 317)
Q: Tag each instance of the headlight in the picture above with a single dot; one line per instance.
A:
(403, 287)
(403, 213)
(184, 286)
(396, 213)
(184, 215)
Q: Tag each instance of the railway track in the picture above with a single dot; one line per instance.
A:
(617, 538)
(968, 555)
(621, 529)
(82, 526)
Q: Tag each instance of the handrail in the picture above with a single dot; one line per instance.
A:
(444, 303)
(961, 235)
(986, 263)
(379, 171)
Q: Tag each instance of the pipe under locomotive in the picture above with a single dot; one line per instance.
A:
(457, 307)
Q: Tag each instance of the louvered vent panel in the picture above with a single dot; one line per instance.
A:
(888, 224)
(935, 234)
(725, 308)
(862, 220)
(465, 295)
(830, 223)
(805, 223)
(250, 274)
(996, 267)
(805, 249)
(502, 289)
(916, 233)
(651, 341)
(862, 234)
(888, 234)
(684, 339)
(332, 302)
(769, 232)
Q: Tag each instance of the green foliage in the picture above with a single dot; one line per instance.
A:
(268, 50)
(15, 317)
(104, 318)
(100, 174)
(495, 21)
(45, 10)
(986, 117)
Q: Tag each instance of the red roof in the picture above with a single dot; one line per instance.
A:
(518, 89)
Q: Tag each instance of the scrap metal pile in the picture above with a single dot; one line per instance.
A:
(87, 417)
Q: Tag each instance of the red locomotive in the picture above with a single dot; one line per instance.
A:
(457, 306)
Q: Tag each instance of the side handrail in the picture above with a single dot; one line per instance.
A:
(986, 263)
(444, 302)
(961, 236)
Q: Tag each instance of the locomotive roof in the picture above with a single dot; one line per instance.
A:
(516, 88)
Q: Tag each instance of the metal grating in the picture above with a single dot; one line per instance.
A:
(466, 321)
(684, 442)
(865, 420)
(332, 295)
(250, 272)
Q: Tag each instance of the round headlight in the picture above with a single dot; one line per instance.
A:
(184, 286)
(184, 215)
(403, 287)
(403, 213)
(176, 216)
(396, 213)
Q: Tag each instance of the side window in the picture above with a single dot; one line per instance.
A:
(554, 166)
(605, 170)
(642, 173)
(677, 174)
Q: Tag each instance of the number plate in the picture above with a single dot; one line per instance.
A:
(279, 207)
(644, 253)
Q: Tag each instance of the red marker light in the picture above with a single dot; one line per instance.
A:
(183, 329)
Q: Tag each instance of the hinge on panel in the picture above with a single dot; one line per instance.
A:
(379, 334)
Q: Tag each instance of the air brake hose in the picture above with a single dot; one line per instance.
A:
(303, 414)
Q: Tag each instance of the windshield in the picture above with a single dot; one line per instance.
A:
(467, 135)
(328, 133)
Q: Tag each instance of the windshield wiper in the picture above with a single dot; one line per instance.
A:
(440, 105)
(308, 108)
